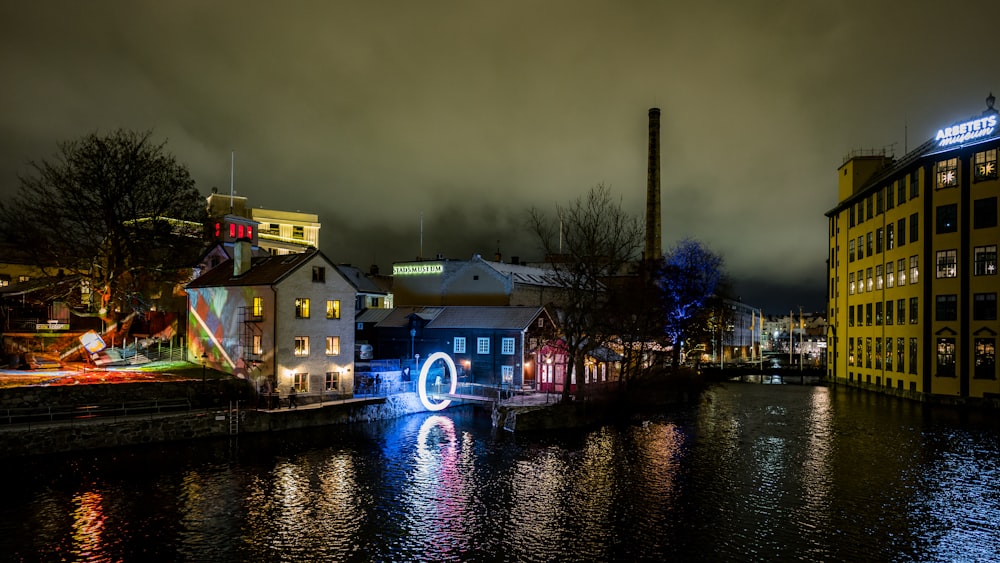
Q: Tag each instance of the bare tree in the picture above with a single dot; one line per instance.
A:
(587, 242)
(116, 209)
(690, 277)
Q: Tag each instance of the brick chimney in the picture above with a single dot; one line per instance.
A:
(241, 257)
(653, 249)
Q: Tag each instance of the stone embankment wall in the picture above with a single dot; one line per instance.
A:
(18, 440)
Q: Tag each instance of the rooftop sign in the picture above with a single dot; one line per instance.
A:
(416, 269)
(968, 131)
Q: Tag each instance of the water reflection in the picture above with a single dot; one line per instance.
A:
(88, 527)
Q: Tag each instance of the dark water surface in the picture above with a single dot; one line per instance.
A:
(749, 473)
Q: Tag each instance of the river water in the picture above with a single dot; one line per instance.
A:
(747, 473)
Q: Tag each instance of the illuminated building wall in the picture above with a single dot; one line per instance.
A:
(913, 265)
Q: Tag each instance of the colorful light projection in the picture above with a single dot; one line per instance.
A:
(422, 381)
(214, 324)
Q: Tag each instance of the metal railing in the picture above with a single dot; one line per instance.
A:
(70, 414)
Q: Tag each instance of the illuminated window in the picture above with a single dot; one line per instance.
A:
(459, 345)
(914, 269)
(985, 260)
(947, 263)
(482, 345)
(946, 173)
(298, 232)
(984, 306)
(947, 218)
(861, 281)
(850, 351)
(333, 309)
(868, 352)
(878, 353)
(878, 277)
(984, 165)
(850, 315)
(986, 358)
(332, 345)
(332, 381)
(878, 314)
(258, 307)
(901, 271)
(888, 313)
(850, 283)
(232, 230)
(84, 287)
(914, 311)
(890, 236)
(901, 312)
(319, 274)
(945, 357)
(507, 372)
(946, 308)
(900, 354)
(301, 382)
(22, 279)
(984, 213)
(257, 346)
(888, 354)
(302, 308)
(869, 280)
(301, 345)
(507, 346)
(218, 229)
(890, 274)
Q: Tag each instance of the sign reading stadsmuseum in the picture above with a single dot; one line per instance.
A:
(968, 131)
(415, 269)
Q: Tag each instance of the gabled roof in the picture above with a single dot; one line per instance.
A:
(526, 275)
(359, 280)
(466, 317)
(264, 270)
(373, 315)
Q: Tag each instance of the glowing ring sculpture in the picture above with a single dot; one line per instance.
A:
(422, 382)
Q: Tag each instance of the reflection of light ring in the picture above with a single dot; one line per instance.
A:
(422, 382)
(435, 421)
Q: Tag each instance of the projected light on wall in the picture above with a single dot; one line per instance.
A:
(422, 382)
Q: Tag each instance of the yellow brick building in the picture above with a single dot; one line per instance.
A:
(913, 276)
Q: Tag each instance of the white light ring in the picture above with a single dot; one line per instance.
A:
(422, 382)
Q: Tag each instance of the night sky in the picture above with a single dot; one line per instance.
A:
(371, 114)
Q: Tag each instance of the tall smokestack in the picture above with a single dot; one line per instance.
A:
(653, 249)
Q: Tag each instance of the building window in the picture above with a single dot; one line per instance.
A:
(985, 260)
(869, 280)
(482, 345)
(257, 345)
(914, 269)
(986, 358)
(946, 174)
(850, 283)
(850, 250)
(861, 321)
(914, 228)
(879, 202)
(946, 357)
(319, 274)
(541, 322)
(507, 372)
(890, 196)
(861, 247)
(333, 309)
(302, 308)
(888, 313)
(947, 218)
(878, 353)
(947, 263)
(850, 351)
(869, 207)
(298, 232)
(984, 165)
(984, 306)
(946, 308)
(850, 315)
(868, 352)
(332, 345)
(914, 186)
(901, 191)
(914, 318)
(879, 240)
(850, 211)
(912, 353)
(984, 213)
(901, 229)
(890, 236)
(861, 281)
(300, 381)
(868, 314)
(878, 314)
(890, 274)
(459, 346)
(869, 240)
(901, 311)
(301, 346)
(507, 346)
(901, 271)
(258, 307)
(878, 277)
(332, 381)
(900, 354)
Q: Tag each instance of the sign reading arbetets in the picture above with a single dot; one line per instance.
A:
(968, 131)
(416, 269)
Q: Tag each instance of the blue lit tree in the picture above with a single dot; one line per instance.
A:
(690, 276)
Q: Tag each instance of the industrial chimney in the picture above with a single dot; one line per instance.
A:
(653, 249)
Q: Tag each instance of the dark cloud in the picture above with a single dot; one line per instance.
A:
(370, 114)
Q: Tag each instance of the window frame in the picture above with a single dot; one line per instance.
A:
(482, 345)
(302, 308)
(300, 347)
